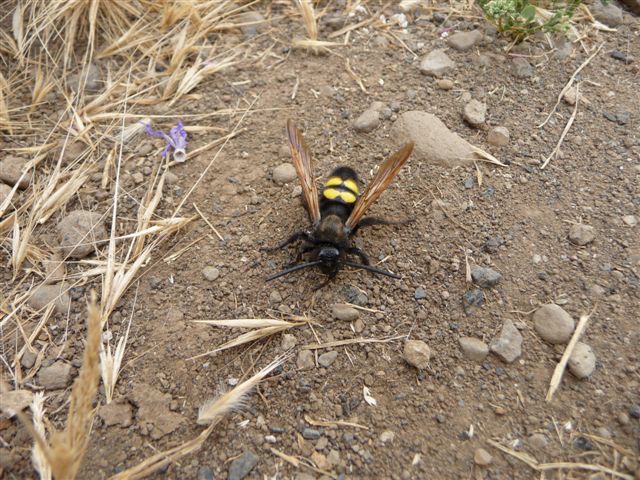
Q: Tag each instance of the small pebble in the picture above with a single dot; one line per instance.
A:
(463, 41)
(241, 466)
(482, 458)
(553, 324)
(326, 359)
(508, 344)
(387, 436)
(417, 353)
(367, 121)
(538, 440)
(444, 84)
(343, 312)
(288, 341)
(305, 360)
(436, 64)
(582, 361)
(634, 411)
(630, 220)
(580, 234)
(474, 348)
(210, 273)
(205, 473)
(475, 113)
(310, 434)
(498, 136)
(485, 277)
(284, 173)
(420, 293)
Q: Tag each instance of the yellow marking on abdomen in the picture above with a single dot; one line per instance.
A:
(351, 185)
(332, 194)
(333, 182)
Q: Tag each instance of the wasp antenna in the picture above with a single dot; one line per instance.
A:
(372, 269)
(293, 269)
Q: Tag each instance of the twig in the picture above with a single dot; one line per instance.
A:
(206, 220)
(339, 343)
(541, 467)
(569, 83)
(566, 129)
(559, 371)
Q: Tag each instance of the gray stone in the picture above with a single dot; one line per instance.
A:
(553, 324)
(55, 376)
(78, 233)
(582, 361)
(343, 312)
(482, 458)
(5, 190)
(305, 360)
(485, 277)
(28, 359)
(521, 68)
(284, 173)
(275, 297)
(205, 473)
(417, 353)
(474, 348)
(436, 64)
(288, 341)
(242, 465)
(11, 170)
(434, 142)
(43, 295)
(630, 220)
(608, 13)
(463, 41)
(498, 136)
(210, 273)
(367, 121)
(326, 359)
(310, 434)
(420, 293)
(508, 344)
(444, 84)
(475, 113)
(581, 234)
(538, 440)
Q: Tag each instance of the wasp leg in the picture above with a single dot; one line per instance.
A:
(326, 282)
(305, 249)
(293, 238)
(368, 221)
(356, 251)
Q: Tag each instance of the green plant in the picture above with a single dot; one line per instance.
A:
(521, 18)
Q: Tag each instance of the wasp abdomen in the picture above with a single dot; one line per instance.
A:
(342, 186)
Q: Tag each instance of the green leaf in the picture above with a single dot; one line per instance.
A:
(528, 12)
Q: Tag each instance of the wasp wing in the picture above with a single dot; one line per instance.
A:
(379, 184)
(303, 163)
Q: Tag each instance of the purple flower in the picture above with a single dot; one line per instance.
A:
(177, 139)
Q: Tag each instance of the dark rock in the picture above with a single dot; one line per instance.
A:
(311, 434)
(242, 465)
(471, 300)
(485, 277)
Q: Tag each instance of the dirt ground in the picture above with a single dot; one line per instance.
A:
(428, 423)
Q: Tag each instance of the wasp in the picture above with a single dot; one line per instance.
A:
(338, 212)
